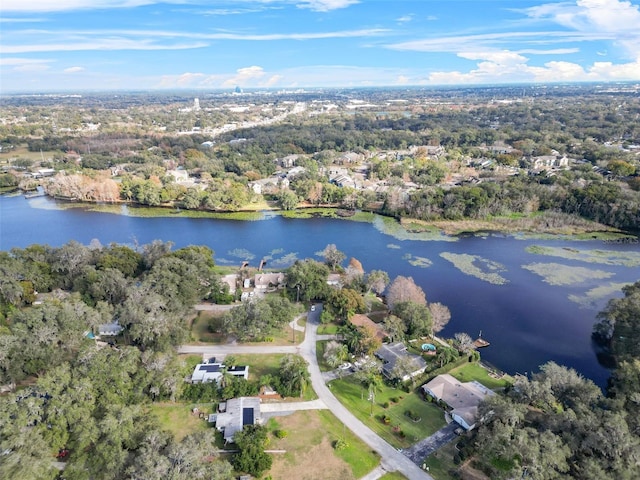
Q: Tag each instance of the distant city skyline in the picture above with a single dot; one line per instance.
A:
(74, 45)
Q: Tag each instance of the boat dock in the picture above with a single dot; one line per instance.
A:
(480, 342)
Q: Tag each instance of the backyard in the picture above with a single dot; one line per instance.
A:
(310, 444)
(201, 333)
(399, 417)
(475, 371)
(178, 418)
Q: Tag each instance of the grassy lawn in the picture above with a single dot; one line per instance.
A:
(200, 331)
(473, 371)
(178, 419)
(260, 365)
(353, 396)
(328, 329)
(320, 349)
(269, 364)
(200, 328)
(393, 476)
(310, 452)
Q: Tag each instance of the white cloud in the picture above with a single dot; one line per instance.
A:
(62, 5)
(31, 67)
(405, 18)
(21, 20)
(503, 57)
(402, 80)
(555, 71)
(22, 61)
(98, 44)
(617, 20)
(82, 40)
(187, 79)
(67, 5)
(244, 76)
(325, 5)
(460, 43)
(73, 69)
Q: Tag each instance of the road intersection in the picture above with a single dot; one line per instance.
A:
(392, 459)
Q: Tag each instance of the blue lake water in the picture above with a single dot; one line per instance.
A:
(527, 321)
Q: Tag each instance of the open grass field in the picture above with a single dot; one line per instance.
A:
(473, 371)
(200, 331)
(178, 419)
(401, 431)
(310, 440)
(23, 152)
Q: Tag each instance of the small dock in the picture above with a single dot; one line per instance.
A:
(480, 342)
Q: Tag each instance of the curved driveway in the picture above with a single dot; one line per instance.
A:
(391, 458)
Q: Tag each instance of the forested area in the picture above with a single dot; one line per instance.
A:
(140, 139)
(85, 402)
(557, 424)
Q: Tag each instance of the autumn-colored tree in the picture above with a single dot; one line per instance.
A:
(440, 316)
(404, 289)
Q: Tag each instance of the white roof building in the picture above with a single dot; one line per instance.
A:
(462, 397)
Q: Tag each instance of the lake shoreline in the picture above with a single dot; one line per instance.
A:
(532, 226)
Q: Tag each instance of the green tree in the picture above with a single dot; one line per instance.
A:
(293, 376)
(309, 278)
(287, 200)
(251, 458)
(332, 256)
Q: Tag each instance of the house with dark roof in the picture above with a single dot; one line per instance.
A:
(462, 397)
(238, 413)
(390, 353)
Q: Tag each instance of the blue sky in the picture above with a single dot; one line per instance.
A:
(59, 45)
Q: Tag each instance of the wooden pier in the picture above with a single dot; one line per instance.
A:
(480, 342)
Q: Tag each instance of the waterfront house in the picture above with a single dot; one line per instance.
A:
(390, 353)
(462, 397)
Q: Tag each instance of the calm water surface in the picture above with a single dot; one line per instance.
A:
(527, 321)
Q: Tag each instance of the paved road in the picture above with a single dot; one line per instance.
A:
(421, 450)
(292, 406)
(392, 459)
(214, 350)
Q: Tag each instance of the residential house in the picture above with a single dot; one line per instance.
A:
(390, 353)
(350, 157)
(334, 280)
(109, 329)
(462, 397)
(238, 413)
(262, 280)
(344, 181)
(213, 371)
(360, 320)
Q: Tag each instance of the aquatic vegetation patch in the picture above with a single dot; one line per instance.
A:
(478, 267)
(604, 257)
(559, 274)
(592, 297)
(241, 253)
(390, 226)
(225, 261)
(284, 261)
(422, 262)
